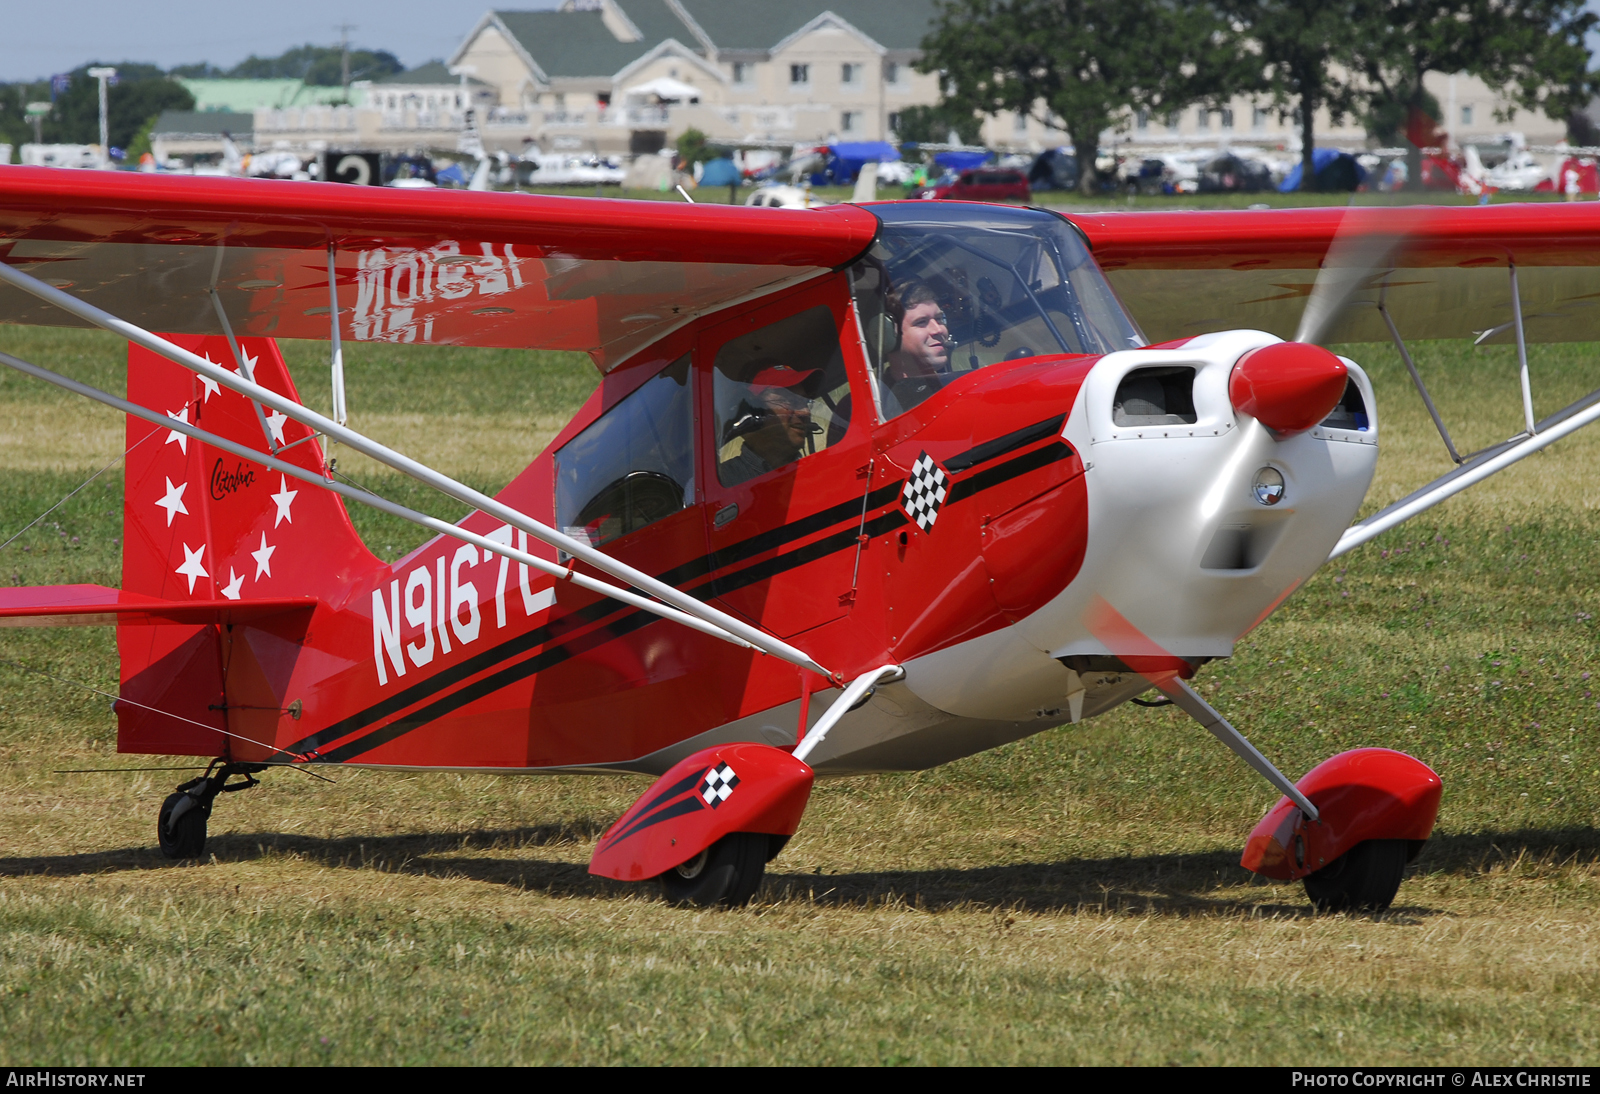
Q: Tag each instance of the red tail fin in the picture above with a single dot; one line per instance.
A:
(201, 524)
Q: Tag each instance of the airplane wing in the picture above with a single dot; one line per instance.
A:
(439, 266)
(1446, 274)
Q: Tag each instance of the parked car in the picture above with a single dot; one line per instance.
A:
(982, 184)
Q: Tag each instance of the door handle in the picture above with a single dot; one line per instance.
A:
(724, 515)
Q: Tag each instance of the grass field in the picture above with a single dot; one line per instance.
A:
(1073, 898)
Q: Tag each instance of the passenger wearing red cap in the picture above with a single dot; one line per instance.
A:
(774, 420)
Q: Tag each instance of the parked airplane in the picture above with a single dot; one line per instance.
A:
(862, 488)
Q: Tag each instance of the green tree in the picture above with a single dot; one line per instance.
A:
(140, 93)
(934, 124)
(15, 128)
(1385, 118)
(693, 147)
(1078, 65)
(1301, 52)
(1532, 50)
(321, 66)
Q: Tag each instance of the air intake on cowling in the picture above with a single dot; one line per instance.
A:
(1155, 396)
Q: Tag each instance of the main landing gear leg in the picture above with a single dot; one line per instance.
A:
(1365, 877)
(181, 825)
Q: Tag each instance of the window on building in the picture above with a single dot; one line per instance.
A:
(894, 122)
(849, 74)
(1142, 120)
(850, 121)
(891, 72)
(799, 74)
(1227, 118)
(1019, 123)
(1466, 115)
(1202, 120)
(1172, 122)
(1258, 119)
(741, 72)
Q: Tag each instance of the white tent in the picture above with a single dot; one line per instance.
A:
(663, 89)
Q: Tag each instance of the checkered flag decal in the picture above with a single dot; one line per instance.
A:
(925, 491)
(718, 785)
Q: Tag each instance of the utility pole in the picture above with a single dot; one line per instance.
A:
(103, 74)
(36, 113)
(344, 57)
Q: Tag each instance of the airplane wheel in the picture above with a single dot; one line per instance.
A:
(186, 836)
(1364, 878)
(726, 874)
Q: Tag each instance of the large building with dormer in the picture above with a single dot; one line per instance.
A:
(621, 75)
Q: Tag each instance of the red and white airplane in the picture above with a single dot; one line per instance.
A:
(864, 488)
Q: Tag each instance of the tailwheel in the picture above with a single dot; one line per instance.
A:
(726, 874)
(181, 824)
(1364, 878)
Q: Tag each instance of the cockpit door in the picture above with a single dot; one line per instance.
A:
(785, 422)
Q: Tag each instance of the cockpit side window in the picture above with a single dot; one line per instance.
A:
(634, 465)
(945, 291)
(780, 394)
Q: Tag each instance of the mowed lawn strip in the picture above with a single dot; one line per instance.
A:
(1074, 897)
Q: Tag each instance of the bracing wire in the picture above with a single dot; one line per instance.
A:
(122, 456)
(166, 713)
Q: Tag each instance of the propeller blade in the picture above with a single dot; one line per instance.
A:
(1362, 253)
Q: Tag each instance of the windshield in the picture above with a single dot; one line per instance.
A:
(950, 288)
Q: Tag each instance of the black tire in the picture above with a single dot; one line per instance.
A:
(726, 874)
(186, 837)
(1363, 879)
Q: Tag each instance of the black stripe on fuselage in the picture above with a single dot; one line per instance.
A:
(633, 619)
(993, 450)
(1004, 472)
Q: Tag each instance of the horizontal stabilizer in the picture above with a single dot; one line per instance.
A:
(98, 605)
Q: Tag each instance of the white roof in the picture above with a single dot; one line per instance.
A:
(665, 88)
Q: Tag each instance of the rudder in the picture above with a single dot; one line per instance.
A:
(203, 524)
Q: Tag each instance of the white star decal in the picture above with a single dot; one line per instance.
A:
(174, 435)
(191, 567)
(249, 370)
(173, 502)
(212, 387)
(284, 497)
(263, 557)
(231, 589)
(275, 422)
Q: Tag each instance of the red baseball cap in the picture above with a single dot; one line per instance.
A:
(782, 376)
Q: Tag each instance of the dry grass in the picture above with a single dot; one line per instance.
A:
(1074, 898)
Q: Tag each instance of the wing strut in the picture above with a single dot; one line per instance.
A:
(1474, 470)
(1416, 377)
(336, 356)
(367, 498)
(620, 571)
(1478, 466)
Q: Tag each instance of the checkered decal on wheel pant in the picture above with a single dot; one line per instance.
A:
(718, 785)
(925, 491)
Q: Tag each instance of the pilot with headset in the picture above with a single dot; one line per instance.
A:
(920, 364)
